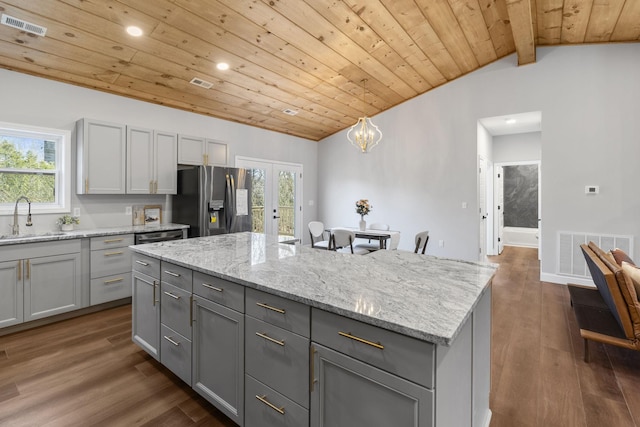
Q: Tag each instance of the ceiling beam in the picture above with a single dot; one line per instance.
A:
(522, 28)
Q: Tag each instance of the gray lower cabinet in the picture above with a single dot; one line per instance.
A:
(265, 407)
(350, 393)
(11, 289)
(145, 322)
(218, 357)
(110, 268)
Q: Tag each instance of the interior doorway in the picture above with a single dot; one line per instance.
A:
(276, 196)
(506, 141)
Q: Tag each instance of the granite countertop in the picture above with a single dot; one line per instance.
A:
(416, 295)
(79, 234)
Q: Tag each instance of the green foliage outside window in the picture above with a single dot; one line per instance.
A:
(23, 172)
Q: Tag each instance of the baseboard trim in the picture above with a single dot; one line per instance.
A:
(63, 316)
(563, 280)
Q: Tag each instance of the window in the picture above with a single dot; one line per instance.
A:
(34, 162)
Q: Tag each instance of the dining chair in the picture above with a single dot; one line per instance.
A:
(316, 230)
(421, 241)
(341, 240)
(373, 246)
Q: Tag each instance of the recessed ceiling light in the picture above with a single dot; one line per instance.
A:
(134, 31)
(222, 66)
(510, 121)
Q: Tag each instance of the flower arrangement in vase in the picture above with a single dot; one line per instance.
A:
(363, 208)
(66, 222)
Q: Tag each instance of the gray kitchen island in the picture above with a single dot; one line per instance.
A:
(277, 334)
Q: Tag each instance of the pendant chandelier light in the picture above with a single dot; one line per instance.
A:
(364, 134)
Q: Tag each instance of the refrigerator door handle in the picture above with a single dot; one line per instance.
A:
(204, 230)
(228, 209)
(233, 203)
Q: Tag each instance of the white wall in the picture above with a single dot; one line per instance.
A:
(520, 147)
(39, 102)
(425, 165)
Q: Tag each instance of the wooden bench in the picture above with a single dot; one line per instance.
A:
(610, 312)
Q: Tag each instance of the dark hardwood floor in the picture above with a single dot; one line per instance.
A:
(87, 372)
(538, 375)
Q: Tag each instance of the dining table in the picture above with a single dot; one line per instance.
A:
(381, 235)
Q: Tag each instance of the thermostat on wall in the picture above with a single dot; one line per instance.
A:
(592, 189)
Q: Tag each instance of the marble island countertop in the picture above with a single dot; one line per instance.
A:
(420, 296)
(79, 234)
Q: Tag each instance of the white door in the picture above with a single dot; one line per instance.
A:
(499, 209)
(276, 196)
(482, 206)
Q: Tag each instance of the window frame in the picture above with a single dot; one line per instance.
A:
(62, 172)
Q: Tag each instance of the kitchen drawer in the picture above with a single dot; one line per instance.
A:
(287, 314)
(110, 288)
(218, 290)
(278, 358)
(401, 355)
(111, 261)
(175, 308)
(176, 275)
(105, 242)
(146, 264)
(265, 407)
(175, 353)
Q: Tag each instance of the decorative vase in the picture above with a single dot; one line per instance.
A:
(363, 223)
(66, 227)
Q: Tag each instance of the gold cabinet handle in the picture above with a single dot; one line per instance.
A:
(151, 187)
(171, 273)
(169, 294)
(264, 400)
(362, 340)
(20, 270)
(113, 253)
(146, 264)
(86, 185)
(268, 338)
(268, 307)
(155, 187)
(171, 340)
(28, 269)
(111, 281)
(113, 240)
(191, 310)
(213, 288)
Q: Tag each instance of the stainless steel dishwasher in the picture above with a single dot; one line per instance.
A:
(157, 236)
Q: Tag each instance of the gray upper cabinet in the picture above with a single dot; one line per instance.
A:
(195, 150)
(151, 161)
(101, 151)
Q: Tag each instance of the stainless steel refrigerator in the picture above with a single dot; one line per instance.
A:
(213, 200)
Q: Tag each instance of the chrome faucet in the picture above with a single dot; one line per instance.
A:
(16, 226)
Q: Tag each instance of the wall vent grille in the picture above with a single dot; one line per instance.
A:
(570, 258)
(202, 83)
(290, 112)
(23, 25)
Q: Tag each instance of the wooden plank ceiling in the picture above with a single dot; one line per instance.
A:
(327, 60)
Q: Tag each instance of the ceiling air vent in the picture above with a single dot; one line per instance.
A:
(23, 25)
(290, 112)
(202, 83)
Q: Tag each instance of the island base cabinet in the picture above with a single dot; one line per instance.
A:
(350, 393)
(175, 353)
(145, 325)
(218, 357)
(268, 408)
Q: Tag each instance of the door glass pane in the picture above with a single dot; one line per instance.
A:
(286, 203)
(257, 199)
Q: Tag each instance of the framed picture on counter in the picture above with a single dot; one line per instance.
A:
(138, 215)
(152, 215)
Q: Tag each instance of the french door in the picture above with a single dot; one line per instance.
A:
(276, 196)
